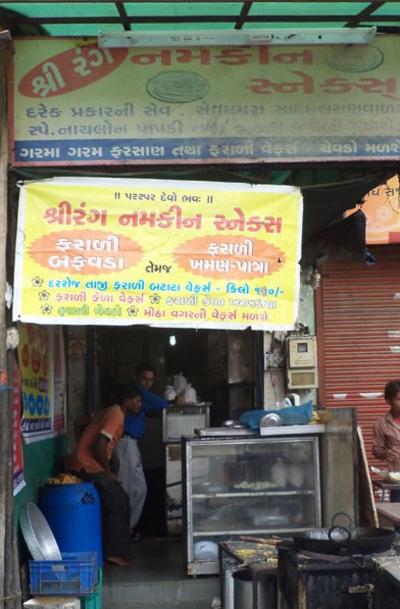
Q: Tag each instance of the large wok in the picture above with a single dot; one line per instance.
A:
(344, 540)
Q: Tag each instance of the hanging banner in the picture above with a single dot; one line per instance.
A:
(75, 104)
(178, 254)
(35, 363)
(18, 461)
(382, 209)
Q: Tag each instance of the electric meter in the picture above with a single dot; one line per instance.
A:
(302, 351)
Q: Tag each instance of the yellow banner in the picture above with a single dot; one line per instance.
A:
(75, 104)
(178, 254)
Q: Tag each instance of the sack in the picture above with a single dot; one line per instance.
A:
(295, 415)
(180, 383)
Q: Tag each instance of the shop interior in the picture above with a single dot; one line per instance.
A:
(221, 367)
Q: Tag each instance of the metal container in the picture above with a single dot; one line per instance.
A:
(271, 420)
(254, 591)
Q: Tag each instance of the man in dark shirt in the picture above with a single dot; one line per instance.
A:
(129, 468)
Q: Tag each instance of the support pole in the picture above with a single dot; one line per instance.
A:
(6, 498)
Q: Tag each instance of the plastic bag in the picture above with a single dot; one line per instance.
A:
(180, 383)
(295, 415)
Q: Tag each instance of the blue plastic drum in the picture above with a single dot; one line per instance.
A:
(74, 515)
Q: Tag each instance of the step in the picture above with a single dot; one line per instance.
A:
(157, 579)
(176, 605)
(194, 590)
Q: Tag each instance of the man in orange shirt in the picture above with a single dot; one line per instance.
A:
(91, 462)
(386, 436)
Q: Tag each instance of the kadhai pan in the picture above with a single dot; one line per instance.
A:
(343, 540)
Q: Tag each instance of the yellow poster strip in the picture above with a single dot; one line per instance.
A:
(179, 254)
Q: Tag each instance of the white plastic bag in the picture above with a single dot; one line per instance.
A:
(180, 383)
(169, 393)
(190, 395)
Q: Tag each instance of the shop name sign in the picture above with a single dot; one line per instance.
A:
(75, 104)
(179, 254)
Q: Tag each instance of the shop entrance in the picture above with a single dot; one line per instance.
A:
(220, 366)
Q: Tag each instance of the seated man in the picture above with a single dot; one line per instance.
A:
(91, 462)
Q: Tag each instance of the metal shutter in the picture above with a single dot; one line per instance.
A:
(358, 329)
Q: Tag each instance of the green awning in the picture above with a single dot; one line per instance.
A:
(72, 18)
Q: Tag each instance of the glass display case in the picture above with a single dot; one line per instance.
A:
(236, 487)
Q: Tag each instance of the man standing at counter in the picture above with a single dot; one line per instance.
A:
(386, 436)
(129, 468)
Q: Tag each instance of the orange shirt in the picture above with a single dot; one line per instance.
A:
(109, 423)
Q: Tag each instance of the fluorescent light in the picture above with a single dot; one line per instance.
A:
(198, 38)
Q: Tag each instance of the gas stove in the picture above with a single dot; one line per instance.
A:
(310, 580)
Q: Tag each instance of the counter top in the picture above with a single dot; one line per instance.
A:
(262, 556)
(391, 511)
(391, 566)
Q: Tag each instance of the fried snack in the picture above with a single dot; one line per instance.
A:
(64, 479)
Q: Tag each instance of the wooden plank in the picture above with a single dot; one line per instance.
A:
(389, 511)
(368, 511)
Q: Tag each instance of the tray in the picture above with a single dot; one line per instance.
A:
(288, 430)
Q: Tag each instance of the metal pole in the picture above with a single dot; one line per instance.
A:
(6, 501)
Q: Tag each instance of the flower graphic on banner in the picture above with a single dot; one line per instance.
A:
(133, 311)
(46, 309)
(155, 299)
(44, 295)
(37, 282)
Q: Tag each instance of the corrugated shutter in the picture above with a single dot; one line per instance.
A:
(358, 329)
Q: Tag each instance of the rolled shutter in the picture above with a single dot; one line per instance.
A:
(358, 329)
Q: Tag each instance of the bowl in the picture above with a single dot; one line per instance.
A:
(230, 423)
(205, 550)
(38, 534)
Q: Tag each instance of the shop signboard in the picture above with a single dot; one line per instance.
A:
(162, 253)
(73, 103)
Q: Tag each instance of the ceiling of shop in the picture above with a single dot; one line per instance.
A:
(76, 18)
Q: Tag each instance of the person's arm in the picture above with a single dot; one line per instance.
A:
(151, 401)
(101, 455)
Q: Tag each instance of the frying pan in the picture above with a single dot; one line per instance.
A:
(344, 541)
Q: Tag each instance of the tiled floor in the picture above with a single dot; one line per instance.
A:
(157, 578)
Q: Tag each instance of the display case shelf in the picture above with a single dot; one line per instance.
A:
(253, 494)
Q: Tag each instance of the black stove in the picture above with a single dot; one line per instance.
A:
(310, 580)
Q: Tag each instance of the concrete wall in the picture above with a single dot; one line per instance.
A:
(275, 375)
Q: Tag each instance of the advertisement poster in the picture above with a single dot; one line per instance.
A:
(35, 363)
(18, 462)
(382, 209)
(155, 252)
(73, 103)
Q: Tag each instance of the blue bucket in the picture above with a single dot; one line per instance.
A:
(74, 516)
